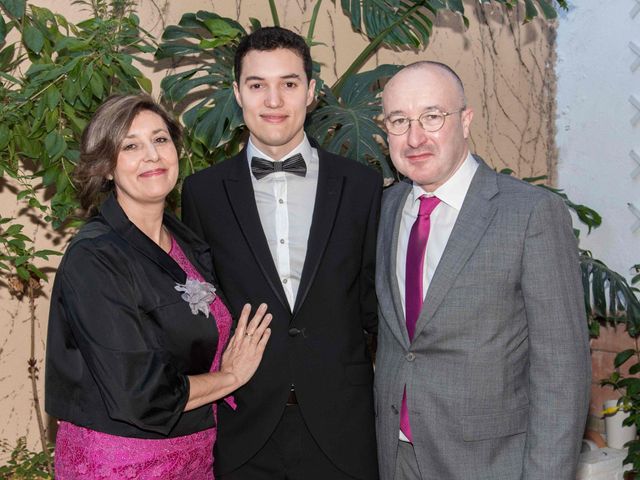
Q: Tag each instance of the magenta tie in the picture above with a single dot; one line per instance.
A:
(413, 284)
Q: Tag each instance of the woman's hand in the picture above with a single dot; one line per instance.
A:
(239, 361)
(245, 349)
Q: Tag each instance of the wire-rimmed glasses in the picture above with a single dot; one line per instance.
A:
(430, 121)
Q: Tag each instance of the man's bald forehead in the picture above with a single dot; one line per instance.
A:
(431, 66)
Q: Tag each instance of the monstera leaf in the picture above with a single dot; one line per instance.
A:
(608, 296)
(347, 125)
(406, 23)
(400, 22)
(208, 41)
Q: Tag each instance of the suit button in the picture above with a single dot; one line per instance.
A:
(410, 356)
(294, 331)
(394, 409)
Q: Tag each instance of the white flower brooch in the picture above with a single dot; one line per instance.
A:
(197, 294)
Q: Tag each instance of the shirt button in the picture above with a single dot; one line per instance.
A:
(282, 240)
(284, 280)
(281, 201)
(410, 356)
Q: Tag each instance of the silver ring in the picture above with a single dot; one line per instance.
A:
(247, 334)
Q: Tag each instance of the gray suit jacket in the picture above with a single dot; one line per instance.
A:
(498, 372)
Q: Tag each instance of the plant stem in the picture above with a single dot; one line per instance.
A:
(274, 13)
(33, 375)
(312, 24)
(370, 49)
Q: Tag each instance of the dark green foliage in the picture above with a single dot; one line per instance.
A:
(73, 69)
(23, 464)
(213, 125)
(629, 385)
(347, 125)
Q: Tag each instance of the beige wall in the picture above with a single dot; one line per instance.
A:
(507, 68)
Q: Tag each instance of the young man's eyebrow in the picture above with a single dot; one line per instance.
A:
(288, 76)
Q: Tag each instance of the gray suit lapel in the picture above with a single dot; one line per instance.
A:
(398, 328)
(473, 220)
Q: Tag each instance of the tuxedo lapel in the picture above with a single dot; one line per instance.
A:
(473, 220)
(242, 201)
(328, 193)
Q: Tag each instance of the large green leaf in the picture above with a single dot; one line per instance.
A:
(209, 41)
(347, 125)
(15, 8)
(608, 296)
(402, 23)
(547, 9)
(198, 34)
(217, 115)
(33, 39)
(216, 124)
(530, 9)
(176, 87)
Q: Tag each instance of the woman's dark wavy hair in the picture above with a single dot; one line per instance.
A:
(101, 142)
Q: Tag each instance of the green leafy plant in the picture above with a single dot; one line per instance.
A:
(73, 68)
(23, 464)
(213, 125)
(629, 384)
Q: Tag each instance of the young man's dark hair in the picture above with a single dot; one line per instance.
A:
(272, 38)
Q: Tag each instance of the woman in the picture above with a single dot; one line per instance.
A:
(136, 327)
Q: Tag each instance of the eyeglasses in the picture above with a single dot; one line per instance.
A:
(431, 121)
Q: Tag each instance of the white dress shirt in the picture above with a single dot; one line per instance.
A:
(285, 204)
(452, 194)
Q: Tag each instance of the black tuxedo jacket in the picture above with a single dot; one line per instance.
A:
(320, 345)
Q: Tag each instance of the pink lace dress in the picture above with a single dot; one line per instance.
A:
(82, 453)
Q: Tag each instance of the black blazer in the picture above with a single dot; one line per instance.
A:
(320, 346)
(121, 341)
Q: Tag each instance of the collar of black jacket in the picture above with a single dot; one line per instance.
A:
(195, 249)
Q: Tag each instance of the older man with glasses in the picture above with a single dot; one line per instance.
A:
(483, 364)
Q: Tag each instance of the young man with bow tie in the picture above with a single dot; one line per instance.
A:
(293, 226)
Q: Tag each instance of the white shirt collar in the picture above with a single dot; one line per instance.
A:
(453, 191)
(304, 148)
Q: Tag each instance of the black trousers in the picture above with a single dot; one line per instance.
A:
(291, 453)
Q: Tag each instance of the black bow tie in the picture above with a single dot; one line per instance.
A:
(261, 167)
